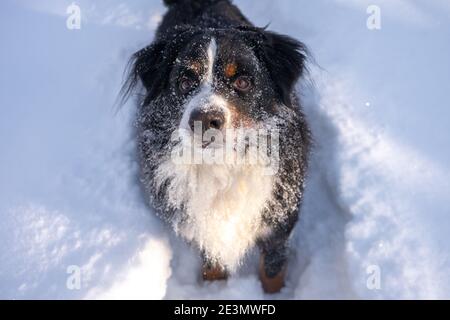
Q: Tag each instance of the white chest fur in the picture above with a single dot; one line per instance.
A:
(223, 206)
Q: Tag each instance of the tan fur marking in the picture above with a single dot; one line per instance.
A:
(230, 70)
(239, 119)
(271, 285)
(213, 273)
(196, 67)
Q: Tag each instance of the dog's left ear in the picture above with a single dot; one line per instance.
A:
(285, 59)
(147, 66)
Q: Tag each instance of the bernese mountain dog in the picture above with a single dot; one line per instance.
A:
(222, 141)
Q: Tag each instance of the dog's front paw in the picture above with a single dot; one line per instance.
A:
(213, 272)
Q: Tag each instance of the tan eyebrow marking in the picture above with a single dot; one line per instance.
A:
(195, 66)
(230, 70)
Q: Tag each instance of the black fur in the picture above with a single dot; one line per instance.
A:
(187, 24)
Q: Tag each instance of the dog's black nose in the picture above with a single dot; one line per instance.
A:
(210, 119)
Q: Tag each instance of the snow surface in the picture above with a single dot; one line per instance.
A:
(377, 193)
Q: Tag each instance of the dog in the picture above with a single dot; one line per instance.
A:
(210, 69)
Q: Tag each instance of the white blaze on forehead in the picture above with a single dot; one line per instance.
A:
(212, 52)
(206, 98)
(219, 101)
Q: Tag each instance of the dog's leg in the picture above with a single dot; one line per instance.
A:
(213, 271)
(272, 268)
(274, 253)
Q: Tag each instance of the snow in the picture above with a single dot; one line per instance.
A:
(377, 193)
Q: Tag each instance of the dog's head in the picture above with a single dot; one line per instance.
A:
(223, 78)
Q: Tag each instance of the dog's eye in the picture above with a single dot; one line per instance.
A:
(242, 84)
(186, 84)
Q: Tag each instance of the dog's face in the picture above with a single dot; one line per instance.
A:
(220, 78)
(221, 84)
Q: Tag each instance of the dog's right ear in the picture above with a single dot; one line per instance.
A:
(149, 66)
(152, 65)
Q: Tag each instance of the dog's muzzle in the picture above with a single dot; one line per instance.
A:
(208, 119)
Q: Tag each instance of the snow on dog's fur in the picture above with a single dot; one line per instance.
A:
(210, 65)
(215, 195)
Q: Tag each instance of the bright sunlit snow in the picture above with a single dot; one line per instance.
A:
(379, 185)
